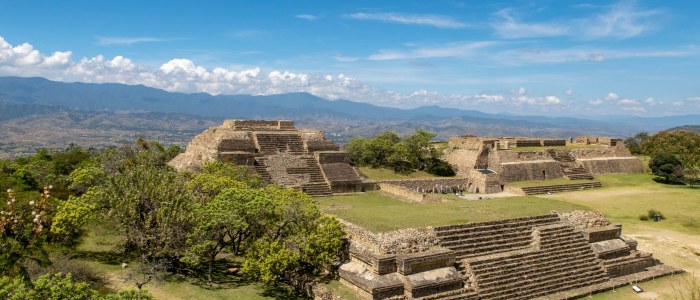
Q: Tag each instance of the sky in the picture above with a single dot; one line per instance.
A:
(519, 57)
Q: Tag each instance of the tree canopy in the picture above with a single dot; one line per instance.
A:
(685, 145)
(388, 149)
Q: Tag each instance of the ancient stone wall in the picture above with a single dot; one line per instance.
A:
(532, 170)
(333, 157)
(408, 195)
(506, 156)
(321, 145)
(612, 165)
(438, 185)
(258, 124)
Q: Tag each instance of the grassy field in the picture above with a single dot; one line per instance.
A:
(371, 210)
(568, 147)
(388, 174)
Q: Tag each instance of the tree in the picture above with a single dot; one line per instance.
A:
(684, 144)
(668, 166)
(22, 233)
(634, 143)
(49, 286)
(136, 189)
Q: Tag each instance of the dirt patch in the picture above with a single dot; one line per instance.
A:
(671, 247)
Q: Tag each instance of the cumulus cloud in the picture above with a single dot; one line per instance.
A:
(569, 92)
(612, 97)
(628, 102)
(410, 19)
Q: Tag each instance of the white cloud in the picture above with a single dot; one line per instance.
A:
(410, 19)
(628, 102)
(569, 92)
(342, 58)
(612, 97)
(595, 102)
(461, 49)
(623, 20)
(109, 41)
(678, 104)
(510, 28)
(694, 98)
(635, 109)
(307, 17)
(551, 100)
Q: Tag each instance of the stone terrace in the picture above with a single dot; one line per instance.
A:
(521, 258)
(280, 153)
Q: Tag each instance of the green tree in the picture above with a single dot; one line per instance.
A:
(634, 143)
(297, 245)
(23, 228)
(47, 287)
(668, 166)
(684, 144)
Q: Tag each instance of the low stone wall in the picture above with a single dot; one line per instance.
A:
(582, 219)
(407, 240)
(321, 145)
(598, 234)
(431, 185)
(407, 195)
(612, 165)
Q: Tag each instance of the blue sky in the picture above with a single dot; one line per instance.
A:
(520, 57)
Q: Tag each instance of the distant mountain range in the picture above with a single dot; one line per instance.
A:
(28, 103)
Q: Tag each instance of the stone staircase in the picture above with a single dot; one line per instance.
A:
(577, 173)
(261, 168)
(318, 185)
(559, 259)
(271, 143)
(568, 165)
(558, 188)
(478, 239)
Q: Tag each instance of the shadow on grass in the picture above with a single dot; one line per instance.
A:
(282, 292)
(668, 182)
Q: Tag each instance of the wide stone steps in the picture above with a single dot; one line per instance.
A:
(558, 188)
(577, 174)
(553, 284)
(273, 143)
(461, 294)
(316, 189)
(484, 227)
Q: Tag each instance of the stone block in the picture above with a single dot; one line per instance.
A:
(412, 263)
(597, 234)
(432, 282)
(376, 286)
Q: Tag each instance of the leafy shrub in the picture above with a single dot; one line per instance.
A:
(651, 213)
(643, 217)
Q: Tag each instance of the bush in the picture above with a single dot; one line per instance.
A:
(655, 213)
(643, 217)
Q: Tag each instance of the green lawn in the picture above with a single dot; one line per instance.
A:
(388, 174)
(626, 196)
(667, 288)
(377, 211)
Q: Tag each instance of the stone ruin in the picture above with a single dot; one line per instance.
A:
(490, 163)
(555, 256)
(279, 152)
